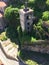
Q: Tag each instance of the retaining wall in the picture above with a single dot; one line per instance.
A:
(38, 46)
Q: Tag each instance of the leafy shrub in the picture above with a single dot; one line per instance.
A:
(42, 32)
(12, 34)
(48, 21)
(36, 33)
(45, 15)
(3, 36)
(30, 1)
(39, 22)
(30, 62)
(11, 14)
(24, 36)
(22, 7)
(33, 39)
(47, 2)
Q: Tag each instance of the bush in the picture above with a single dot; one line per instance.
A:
(36, 33)
(47, 2)
(12, 34)
(45, 16)
(40, 22)
(24, 36)
(48, 21)
(33, 39)
(11, 14)
(3, 36)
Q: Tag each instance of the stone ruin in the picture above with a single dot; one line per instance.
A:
(26, 18)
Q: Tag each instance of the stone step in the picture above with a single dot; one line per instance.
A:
(8, 47)
(5, 43)
(13, 52)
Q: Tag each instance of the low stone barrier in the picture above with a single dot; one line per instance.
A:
(38, 46)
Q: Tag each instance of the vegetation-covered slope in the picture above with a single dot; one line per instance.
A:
(41, 12)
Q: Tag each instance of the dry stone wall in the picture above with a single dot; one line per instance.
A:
(39, 46)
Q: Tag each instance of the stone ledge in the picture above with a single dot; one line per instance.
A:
(38, 42)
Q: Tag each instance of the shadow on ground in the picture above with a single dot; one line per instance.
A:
(40, 58)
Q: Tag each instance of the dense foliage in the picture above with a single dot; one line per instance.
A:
(45, 16)
(11, 14)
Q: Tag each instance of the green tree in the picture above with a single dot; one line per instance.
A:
(12, 15)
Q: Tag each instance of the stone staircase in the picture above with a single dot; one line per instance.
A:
(9, 49)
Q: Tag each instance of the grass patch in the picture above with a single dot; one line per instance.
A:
(30, 62)
(3, 36)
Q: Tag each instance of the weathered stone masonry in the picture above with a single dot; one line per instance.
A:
(39, 46)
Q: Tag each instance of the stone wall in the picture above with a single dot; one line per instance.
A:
(2, 24)
(39, 46)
